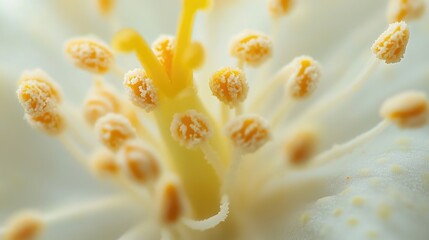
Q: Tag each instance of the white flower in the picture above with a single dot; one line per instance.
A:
(375, 186)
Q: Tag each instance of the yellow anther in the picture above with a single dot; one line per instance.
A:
(391, 44)
(100, 101)
(163, 48)
(405, 10)
(248, 133)
(190, 128)
(129, 40)
(90, 55)
(138, 162)
(229, 85)
(170, 202)
(252, 48)
(37, 93)
(407, 110)
(278, 8)
(50, 122)
(141, 90)
(106, 6)
(114, 130)
(103, 163)
(24, 226)
(304, 77)
(301, 145)
(194, 55)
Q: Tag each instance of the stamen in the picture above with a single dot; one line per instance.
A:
(190, 129)
(114, 130)
(170, 202)
(138, 163)
(229, 85)
(106, 6)
(391, 44)
(141, 90)
(213, 221)
(26, 225)
(50, 122)
(37, 93)
(103, 163)
(248, 133)
(163, 48)
(300, 145)
(340, 150)
(279, 8)
(100, 102)
(128, 40)
(407, 110)
(301, 81)
(252, 48)
(90, 55)
(304, 77)
(405, 10)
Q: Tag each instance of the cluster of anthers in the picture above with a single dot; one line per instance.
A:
(168, 168)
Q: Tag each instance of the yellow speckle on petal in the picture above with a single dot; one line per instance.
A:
(305, 218)
(338, 212)
(358, 201)
(372, 234)
(396, 169)
(364, 172)
(352, 222)
(384, 211)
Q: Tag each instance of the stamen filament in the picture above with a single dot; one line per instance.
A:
(211, 222)
(213, 159)
(340, 97)
(339, 151)
(85, 208)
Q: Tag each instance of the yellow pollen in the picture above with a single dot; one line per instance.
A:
(50, 122)
(24, 226)
(106, 6)
(405, 10)
(138, 162)
(128, 40)
(278, 8)
(103, 163)
(248, 133)
(300, 145)
(163, 48)
(391, 44)
(37, 93)
(170, 202)
(190, 129)
(141, 90)
(304, 78)
(100, 102)
(113, 130)
(229, 85)
(90, 55)
(252, 48)
(407, 110)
